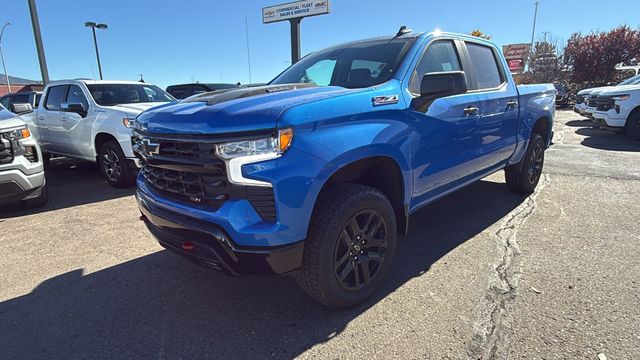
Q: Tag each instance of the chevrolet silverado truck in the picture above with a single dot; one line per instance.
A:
(21, 170)
(618, 109)
(318, 172)
(91, 120)
(586, 98)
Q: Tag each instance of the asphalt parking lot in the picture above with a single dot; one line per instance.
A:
(483, 273)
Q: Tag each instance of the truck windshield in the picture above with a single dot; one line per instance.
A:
(115, 94)
(355, 65)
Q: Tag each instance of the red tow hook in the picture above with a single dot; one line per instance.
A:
(187, 245)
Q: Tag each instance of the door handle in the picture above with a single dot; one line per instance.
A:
(471, 111)
(512, 104)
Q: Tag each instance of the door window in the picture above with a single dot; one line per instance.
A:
(56, 96)
(487, 72)
(440, 56)
(76, 96)
(319, 73)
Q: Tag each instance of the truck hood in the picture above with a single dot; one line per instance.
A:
(233, 111)
(134, 108)
(618, 90)
(591, 90)
(9, 120)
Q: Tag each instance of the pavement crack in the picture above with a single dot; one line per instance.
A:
(493, 326)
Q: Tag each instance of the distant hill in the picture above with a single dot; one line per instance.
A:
(17, 80)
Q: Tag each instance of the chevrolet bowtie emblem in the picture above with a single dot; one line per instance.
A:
(151, 148)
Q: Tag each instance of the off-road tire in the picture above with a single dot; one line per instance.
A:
(114, 166)
(519, 177)
(632, 126)
(336, 207)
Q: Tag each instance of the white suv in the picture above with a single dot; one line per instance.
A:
(619, 108)
(91, 120)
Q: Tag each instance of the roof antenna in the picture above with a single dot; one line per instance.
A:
(403, 30)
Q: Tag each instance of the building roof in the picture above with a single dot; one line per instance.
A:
(17, 80)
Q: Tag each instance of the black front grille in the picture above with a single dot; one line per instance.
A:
(592, 102)
(579, 99)
(604, 103)
(191, 173)
(6, 153)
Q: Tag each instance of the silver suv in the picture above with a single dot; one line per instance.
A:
(21, 168)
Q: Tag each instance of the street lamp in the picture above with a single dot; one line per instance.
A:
(4, 66)
(93, 27)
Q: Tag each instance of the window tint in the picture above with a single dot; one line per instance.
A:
(56, 97)
(76, 96)
(38, 97)
(440, 56)
(374, 67)
(20, 99)
(485, 65)
(319, 73)
(5, 101)
(115, 94)
(179, 92)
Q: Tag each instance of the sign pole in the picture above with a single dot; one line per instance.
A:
(295, 39)
(39, 47)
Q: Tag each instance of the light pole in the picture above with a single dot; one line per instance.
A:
(4, 65)
(93, 27)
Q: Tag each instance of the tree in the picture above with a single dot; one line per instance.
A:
(545, 63)
(480, 34)
(593, 57)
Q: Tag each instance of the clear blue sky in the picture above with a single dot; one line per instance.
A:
(200, 40)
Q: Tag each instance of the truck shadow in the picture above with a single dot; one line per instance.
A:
(603, 139)
(162, 306)
(71, 183)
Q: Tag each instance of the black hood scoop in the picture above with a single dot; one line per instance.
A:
(220, 96)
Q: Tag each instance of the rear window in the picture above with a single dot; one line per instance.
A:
(487, 72)
(179, 92)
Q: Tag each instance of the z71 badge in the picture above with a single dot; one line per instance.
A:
(384, 100)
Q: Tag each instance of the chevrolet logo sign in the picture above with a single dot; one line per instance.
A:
(150, 148)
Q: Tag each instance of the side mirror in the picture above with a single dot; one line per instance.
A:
(21, 108)
(77, 108)
(441, 84)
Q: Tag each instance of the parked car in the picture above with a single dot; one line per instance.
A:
(619, 109)
(92, 120)
(23, 97)
(582, 105)
(183, 91)
(319, 171)
(562, 95)
(21, 168)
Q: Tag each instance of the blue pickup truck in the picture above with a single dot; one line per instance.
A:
(317, 172)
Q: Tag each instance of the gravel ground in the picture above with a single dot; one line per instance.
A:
(483, 273)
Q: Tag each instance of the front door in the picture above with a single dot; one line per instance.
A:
(445, 146)
(76, 128)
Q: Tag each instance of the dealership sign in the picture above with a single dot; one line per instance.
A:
(516, 55)
(298, 9)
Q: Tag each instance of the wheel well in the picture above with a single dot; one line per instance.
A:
(382, 173)
(101, 139)
(632, 113)
(542, 128)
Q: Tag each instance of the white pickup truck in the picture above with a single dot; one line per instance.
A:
(618, 108)
(91, 120)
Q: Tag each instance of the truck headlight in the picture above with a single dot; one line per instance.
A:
(239, 153)
(258, 147)
(621, 97)
(129, 122)
(17, 134)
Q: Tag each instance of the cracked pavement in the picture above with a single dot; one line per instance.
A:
(484, 273)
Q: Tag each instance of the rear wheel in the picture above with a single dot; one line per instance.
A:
(114, 166)
(350, 247)
(632, 126)
(524, 176)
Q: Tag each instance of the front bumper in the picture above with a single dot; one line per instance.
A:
(209, 245)
(609, 119)
(16, 185)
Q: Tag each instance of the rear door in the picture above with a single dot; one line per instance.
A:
(49, 119)
(446, 144)
(498, 110)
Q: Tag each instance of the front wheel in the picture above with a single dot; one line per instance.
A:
(524, 176)
(114, 166)
(350, 247)
(632, 126)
